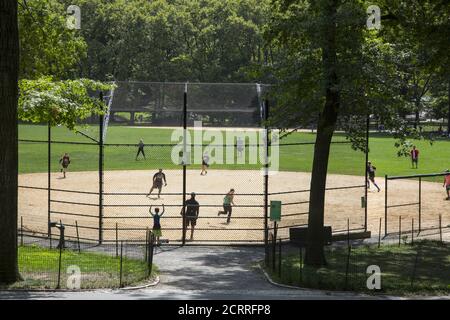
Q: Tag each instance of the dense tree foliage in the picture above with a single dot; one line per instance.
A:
(47, 46)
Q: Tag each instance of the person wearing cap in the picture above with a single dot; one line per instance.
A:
(447, 183)
(158, 179)
(371, 172)
(140, 149)
(192, 209)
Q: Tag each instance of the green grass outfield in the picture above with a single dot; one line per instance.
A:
(343, 159)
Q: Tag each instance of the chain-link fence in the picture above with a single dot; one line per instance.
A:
(71, 263)
(104, 193)
(415, 203)
(390, 267)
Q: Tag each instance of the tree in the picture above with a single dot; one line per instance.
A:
(48, 47)
(330, 70)
(9, 73)
(59, 102)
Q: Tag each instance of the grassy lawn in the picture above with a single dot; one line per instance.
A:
(39, 269)
(396, 263)
(343, 159)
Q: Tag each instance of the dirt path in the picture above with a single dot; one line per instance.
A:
(130, 212)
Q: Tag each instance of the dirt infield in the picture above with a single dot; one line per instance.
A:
(130, 211)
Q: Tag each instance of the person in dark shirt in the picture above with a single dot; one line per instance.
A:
(371, 172)
(140, 149)
(64, 162)
(192, 209)
(158, 179)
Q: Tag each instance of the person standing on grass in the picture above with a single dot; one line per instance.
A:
(205, 164)
(140, 149)
(447, 183)
(371, 172)
(158, 179)
(415, 157)
(157, 223)
(64, 162)
(228, 201)
(191, 211)
(240, 146)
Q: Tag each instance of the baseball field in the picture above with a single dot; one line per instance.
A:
(127, 182)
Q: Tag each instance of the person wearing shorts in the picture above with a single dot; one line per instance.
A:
(447, 183)
(192, 209)
(205, 164)
(140, 149)
(371, 172)
(64, 161)
(415, 157)
(227, 205)
(157, 223)
(158, 180)
(240, 146)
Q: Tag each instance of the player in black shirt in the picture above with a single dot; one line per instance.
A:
(64, 162)
(191, 214)
(140, 149)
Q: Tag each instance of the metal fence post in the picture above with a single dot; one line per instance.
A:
(385, 204)
(121, 262)
(49, 174)
(379, 234)
(365, 166)
(100, 174)
(146, 251)
(184, 162)
(117, 240)
(58, 286)
(399, 230)
(21, 231)
(78, 237)
(347, 267)
(152, 248)
(279, 258)
(266, 175)
(420, 204)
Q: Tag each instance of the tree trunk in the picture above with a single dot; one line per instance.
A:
(9, 69)
(448, 116)
(325, 129)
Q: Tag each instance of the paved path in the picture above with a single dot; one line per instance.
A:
(225, 273)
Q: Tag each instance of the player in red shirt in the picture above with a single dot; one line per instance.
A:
(415, 157)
